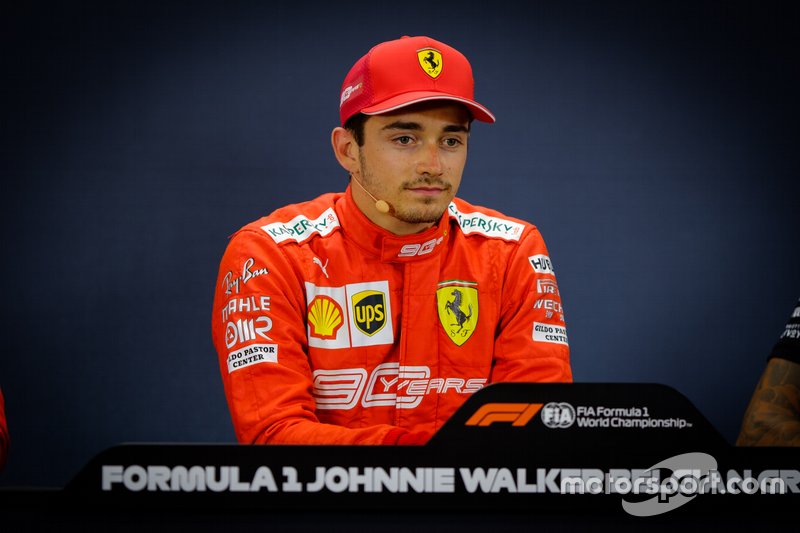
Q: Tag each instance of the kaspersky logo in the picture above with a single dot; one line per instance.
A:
(518, 414)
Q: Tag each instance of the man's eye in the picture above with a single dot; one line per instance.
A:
(452, 142)
(404, 139)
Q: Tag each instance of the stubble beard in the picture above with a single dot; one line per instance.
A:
(425, 211)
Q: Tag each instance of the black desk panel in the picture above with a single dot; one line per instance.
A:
(514, 457)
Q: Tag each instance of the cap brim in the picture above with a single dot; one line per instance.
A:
(398, 102)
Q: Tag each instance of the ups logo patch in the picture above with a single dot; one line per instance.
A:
(369, 311)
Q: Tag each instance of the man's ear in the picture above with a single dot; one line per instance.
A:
(345, 148)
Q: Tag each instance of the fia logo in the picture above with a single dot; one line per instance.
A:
(558, 415)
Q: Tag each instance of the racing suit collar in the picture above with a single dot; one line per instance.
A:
(389, 247)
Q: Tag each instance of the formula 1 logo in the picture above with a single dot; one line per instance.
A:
(457, 302)
(430, 60)
(519, 414)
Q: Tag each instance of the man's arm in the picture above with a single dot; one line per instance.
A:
(259, 331)
(773, 415)
(531, 343)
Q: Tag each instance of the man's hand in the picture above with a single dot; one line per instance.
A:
(773, 416)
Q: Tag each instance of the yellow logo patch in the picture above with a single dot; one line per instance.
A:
(430, 60)
(324, 317)
(457, 302)
(369, 308)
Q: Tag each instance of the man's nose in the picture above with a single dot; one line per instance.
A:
(430, 161)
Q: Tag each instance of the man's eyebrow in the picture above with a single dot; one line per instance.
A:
(398, 125)
(456, 128)
(415, 126)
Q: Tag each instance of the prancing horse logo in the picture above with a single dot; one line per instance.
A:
(454, 308)
(457, 303)
(430, 59)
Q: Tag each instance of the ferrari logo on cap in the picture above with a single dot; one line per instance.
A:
(457, 302)
(430, 60)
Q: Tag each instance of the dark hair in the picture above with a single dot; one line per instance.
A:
(355, 125)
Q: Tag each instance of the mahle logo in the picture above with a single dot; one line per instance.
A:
(558, 415)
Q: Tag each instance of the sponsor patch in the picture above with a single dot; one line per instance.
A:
(249, 304)
(325, 317)
(547, 286)
(551, 308)
(349, 91)
(301, 228)
(252, 355)
(247, 329)
(486, 225)
(358, 314)
(249, 271)
(369, 310)
(541, 264)
(457, 303)
(550, 333)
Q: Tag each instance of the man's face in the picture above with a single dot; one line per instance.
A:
(413, 159)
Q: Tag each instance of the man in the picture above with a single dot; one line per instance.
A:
(369, 316)
(773, 415)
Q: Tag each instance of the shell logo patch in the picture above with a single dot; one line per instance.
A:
(430, 60)
(350, 316)
(457, 303)
(324, 317)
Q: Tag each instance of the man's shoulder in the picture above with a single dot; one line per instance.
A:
(486, 222)
(300, 221)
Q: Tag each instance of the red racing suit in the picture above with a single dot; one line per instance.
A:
(331, 330)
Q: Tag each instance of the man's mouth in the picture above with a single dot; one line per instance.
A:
(428, 189)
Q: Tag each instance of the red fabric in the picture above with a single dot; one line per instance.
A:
(406, 438)
(405, 71)
(331, 330)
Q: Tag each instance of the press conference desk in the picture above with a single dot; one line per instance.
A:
(514, 457)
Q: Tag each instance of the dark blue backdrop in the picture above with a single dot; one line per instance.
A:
(655, 144)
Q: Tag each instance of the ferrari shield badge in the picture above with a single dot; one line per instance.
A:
(430, 60)
(457, 302)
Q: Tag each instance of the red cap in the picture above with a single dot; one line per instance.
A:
(406, 71)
